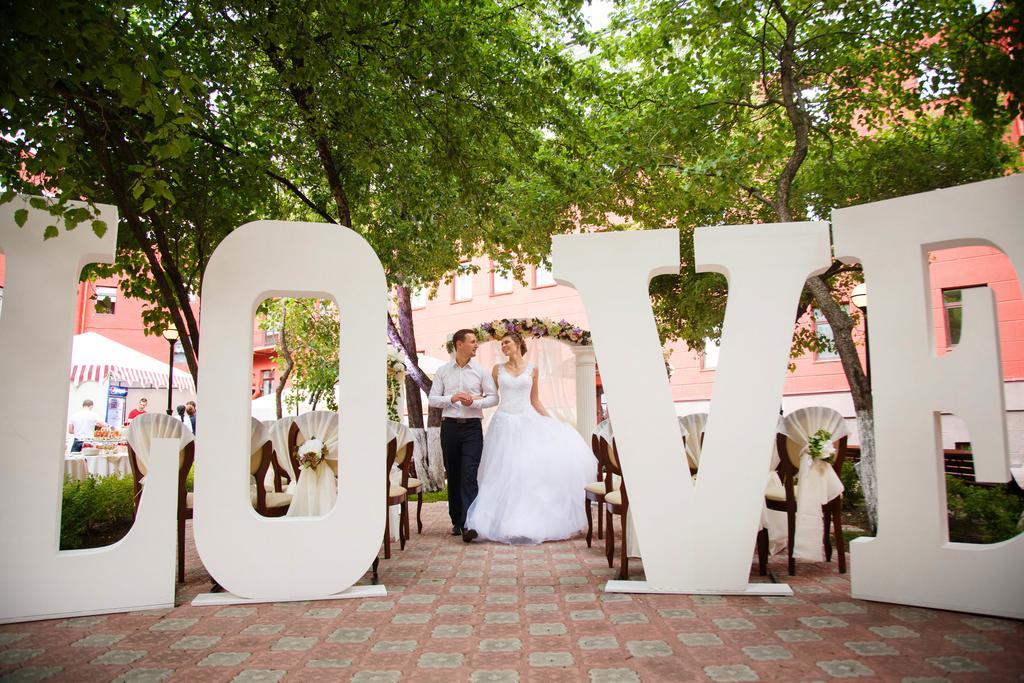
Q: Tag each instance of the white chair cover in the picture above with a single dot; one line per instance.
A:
(259, 435)
(149, 426)
(819, 483)
(316, 490)
(278, 430)
(692, 427)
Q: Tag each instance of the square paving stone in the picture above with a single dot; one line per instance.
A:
(845, 668)
(143, 676)
(551, 659)
(414, 618)
(324, 613)
(957, 664)
(629, 618)
(547, 629)
(823, 622)
(500, 645)
(501, 617)
(501, 676)
(581, 597)
(502, 598)
(797, 635)
(328, 663)
(9, 638)
(98, 640)
(872, 648)
(236, 612)
(536, 607)
(262, 629)
(735, 624)
(613, 676)
(586, 615)
(988, 624)
(699, 639)
(730, 672)
(375, 606)
(648, 648)
(224, 658)
(441, 660)
(974, 642)
(455, 609)
(452, 631)
(18, 655)
(404, 646)
(293, 644)
(842, 608)
(598, 643)
(764, 653)
(377, 677)
(351, 635)
(897, 631)
(82, 622)
(120, 657)
(259, 676)
(196, 643)
(677, 613)
(179, 624)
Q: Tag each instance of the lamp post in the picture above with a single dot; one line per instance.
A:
(859, 298)
(171, 335)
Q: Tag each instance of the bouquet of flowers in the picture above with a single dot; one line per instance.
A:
(529, 327)
(819, 445)
(311, 453)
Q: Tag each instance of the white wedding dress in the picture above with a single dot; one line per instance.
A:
(532, 471)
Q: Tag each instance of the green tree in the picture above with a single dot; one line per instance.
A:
(735, 112)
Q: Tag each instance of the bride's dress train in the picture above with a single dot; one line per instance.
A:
(532, 472)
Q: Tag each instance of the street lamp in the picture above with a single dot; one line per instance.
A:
(859, 298)
(171, 335)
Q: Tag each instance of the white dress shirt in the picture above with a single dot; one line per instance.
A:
(451, 379)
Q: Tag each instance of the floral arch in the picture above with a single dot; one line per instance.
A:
(578, 341)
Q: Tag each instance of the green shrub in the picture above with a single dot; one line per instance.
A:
(853, 495)
(981, 514)
(93, 509)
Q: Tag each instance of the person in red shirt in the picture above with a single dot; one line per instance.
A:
(137, 410)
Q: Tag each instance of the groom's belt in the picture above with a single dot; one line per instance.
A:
(460, 420)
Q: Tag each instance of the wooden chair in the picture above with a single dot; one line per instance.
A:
(789, 443)
(281, 462)
(394, 494)
(616, 502)
(140, 435)
(595, 491)
(261, 455)
(403, 463)
(321, 424)
(414, 485)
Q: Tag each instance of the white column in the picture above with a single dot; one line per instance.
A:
(586, 390)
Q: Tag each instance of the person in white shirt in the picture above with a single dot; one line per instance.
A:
(83, 425)
(462, 389)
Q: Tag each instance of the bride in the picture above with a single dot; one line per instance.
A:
(533, 468)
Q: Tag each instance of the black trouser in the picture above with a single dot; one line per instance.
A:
(76, 446)
(462, 444)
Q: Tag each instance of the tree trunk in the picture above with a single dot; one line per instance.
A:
(289, 364)
(413, 402)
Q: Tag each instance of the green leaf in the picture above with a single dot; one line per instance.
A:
(99, 228)
(148, 204)
(37, 203)
(7, 196)
(50, 232)
(20, 216)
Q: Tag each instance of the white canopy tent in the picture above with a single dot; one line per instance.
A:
(97, 362)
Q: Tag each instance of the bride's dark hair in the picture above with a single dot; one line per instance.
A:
(518, 339)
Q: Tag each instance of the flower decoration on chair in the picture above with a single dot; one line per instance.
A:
(529, 327)
(311, 453)
(819, 445)
(396, 376)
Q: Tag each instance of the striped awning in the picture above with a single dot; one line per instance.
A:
(94, 358)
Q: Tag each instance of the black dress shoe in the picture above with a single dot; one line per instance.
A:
(456, 530)
(468, 535)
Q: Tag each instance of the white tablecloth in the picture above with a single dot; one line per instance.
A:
(82, 466)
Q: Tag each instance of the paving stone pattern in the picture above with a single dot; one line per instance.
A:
(486, 612)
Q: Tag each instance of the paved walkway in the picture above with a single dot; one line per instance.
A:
(486, 612)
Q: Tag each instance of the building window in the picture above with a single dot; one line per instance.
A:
(462, 289)
(271, 337)
(267, 382)
(418, 297)
(542, 277)
(106, 300)
(709, 359)
(500, 284)
(952, 303)
(822, 327)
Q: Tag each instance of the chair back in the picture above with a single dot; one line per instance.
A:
(149, 426)
(692, 427)
(259, 437)
(602, 428)
(800, 425)
(321, 424)
(278, 431)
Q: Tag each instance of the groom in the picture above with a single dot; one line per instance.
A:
(462, 438)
